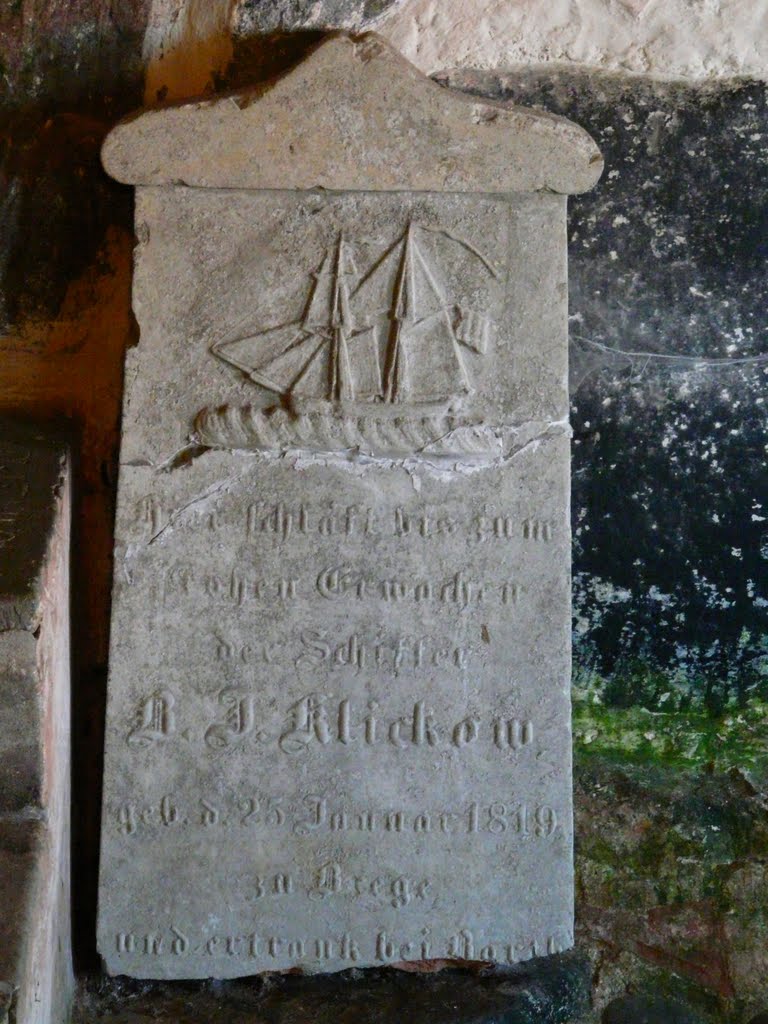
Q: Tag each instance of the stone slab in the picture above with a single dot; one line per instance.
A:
(335, 677)
(35, 976)
(19, 843)
(382, 126)
(35, 945)
(21, 714)
(338, 723)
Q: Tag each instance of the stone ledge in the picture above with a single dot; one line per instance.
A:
(35, 946)
(551, 990)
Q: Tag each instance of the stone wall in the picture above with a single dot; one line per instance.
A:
(669, 366)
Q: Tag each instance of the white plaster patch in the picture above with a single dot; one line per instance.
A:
(700, 39)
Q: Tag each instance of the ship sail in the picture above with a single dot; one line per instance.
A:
(319, 356)
(417, 345)
(400, 346)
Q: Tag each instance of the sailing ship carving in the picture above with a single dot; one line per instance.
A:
(388, 342)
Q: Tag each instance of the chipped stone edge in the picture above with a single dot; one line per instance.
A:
(585, 164)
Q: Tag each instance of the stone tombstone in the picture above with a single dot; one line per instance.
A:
(338, 726)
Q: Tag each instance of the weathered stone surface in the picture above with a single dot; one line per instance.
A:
(673, 40)
(35, 945)
(338, 722)
(383, 126)
(249, 709)
(25, 975)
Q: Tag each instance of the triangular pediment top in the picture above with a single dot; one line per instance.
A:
(354, 115)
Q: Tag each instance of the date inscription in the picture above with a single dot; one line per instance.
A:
(320, 815)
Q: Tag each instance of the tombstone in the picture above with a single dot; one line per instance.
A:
(338, 726)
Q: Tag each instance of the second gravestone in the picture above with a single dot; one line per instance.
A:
(338, 726)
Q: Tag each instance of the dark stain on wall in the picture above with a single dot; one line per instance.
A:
(669, 356)
(67, 72)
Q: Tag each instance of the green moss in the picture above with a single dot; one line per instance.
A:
(682, 738)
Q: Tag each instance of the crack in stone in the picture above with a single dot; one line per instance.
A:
(211, 492)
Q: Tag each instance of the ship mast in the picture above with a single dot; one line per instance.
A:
(403, 311)
(341, 382)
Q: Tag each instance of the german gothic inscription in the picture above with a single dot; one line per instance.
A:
(351, 724)
(338, 729)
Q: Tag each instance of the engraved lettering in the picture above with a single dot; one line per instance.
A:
(497, 818)
(537, 530)
(238, 719)
(308, 721)
(149, 512)
(366, 821)
(155, 721)
(546, 821)
(328, 881)
(250, 811)
(180, 943)
(512, 733)
(317, 808)
(210, 814)
(466, 731)
(126, 942)
(127, 820)
(395, 821)
(396, 654)
(168, 813)
(462, 946)
(385, 948)
(340, 582)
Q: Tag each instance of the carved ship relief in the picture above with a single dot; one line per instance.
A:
(376, 361)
